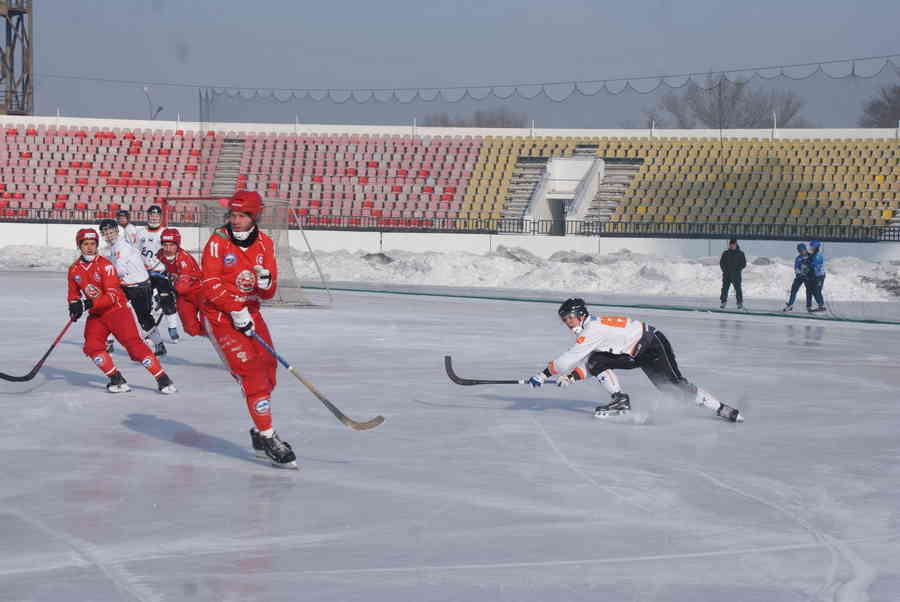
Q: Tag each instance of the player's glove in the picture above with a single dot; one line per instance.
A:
(263, 277)
(76, 308)
(242, 321)
(564, 381)
(537, 381)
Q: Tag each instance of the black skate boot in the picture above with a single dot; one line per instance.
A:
(279, 452)
(788, 307)
(173, 334)
(117, 383)
(620, 404)
(722, 305)
(256, 440)
(159, 349)
(817, 309)
(165, 384)
(729, 413)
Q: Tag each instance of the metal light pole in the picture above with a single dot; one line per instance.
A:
(154, 108)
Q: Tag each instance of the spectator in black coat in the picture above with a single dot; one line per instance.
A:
(732, 263)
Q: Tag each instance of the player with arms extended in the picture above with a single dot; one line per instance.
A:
(128, 230)
(187, 279)
(149, 244)
(239, 270)
(616, 342)
(95, 288)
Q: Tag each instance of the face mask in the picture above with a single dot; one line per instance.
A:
(243, 235)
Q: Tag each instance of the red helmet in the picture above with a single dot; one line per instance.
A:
(171, 235)
(86, 234)
(246, 201)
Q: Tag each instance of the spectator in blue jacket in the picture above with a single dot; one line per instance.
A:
(802, 276)
(817, 277)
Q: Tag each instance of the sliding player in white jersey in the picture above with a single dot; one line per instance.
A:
(149, 244)
(135, 281)
(607, 343)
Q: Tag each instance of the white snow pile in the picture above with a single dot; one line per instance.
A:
(622, 272)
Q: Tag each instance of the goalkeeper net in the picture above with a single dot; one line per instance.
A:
(210, 213)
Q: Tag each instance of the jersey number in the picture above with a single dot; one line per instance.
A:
(214, 249)
(614, 321)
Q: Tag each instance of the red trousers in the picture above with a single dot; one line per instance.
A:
(251, 365)
(189, 312)
(120, 323)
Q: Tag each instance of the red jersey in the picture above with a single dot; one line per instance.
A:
(229, 281)
(188, 277)
(97, 281)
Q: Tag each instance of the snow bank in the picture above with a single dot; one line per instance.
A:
(622, 272)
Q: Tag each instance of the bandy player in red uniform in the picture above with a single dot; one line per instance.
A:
(95, 288)
(187, 278)
(239, 270)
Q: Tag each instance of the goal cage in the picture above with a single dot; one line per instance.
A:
(211, 212)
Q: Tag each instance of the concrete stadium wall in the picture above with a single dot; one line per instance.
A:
(63, 235)
(311, 128)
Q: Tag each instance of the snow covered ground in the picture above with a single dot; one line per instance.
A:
(465, 493)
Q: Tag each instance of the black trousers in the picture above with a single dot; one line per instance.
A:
(729, 280)
(141, 298)
(163, 286)
(795, 288)
(816, 284)
(655, 357)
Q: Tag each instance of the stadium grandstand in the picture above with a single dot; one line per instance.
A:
(832, 184)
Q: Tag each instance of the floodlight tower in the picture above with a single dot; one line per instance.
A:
(16, 58)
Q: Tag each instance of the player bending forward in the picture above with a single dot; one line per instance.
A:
(187, 279)
(95, 278)
(239, 269)
(134, 278)
(619, 343)
(149, 244)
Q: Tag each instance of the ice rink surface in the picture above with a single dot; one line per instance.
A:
(465, 493)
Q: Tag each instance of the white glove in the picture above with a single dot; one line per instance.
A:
(242, 321)
(564, 381)
(537, 380)
(263, 277)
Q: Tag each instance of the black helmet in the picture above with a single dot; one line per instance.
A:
(573, 307)
(155, 209)
(123, 213)
(106, 224)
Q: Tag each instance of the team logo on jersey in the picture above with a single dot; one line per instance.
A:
(245, 281)
(230, 259)
(92, 291)
(146, 362)
(96, 276)
(98, 360)
(259, 259)
(580, 340)
(262, 407)
(77, 278)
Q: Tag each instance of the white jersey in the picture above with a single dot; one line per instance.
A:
(129, 233)
(149, 244)
(129, 264)
(611, 334)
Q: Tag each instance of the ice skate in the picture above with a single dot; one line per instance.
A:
(278, 451)
(740, 306)
(256, 440)
(620, 404)
(173, 335)
(788, 307)
(117, 383)
(165, 384)
(722, 305)
(159, 349)
(729, 413)
(818, 309)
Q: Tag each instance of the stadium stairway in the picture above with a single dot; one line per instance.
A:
(617, 178)
(228, 167)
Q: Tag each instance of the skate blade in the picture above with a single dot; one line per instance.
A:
(124, 389)
(168, 390)
(740, 418)
(292, 465)
(610, 413)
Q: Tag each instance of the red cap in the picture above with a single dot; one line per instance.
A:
(171, 235)
(86, 234)
(246, 201)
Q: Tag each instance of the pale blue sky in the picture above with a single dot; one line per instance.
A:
(404, 43)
